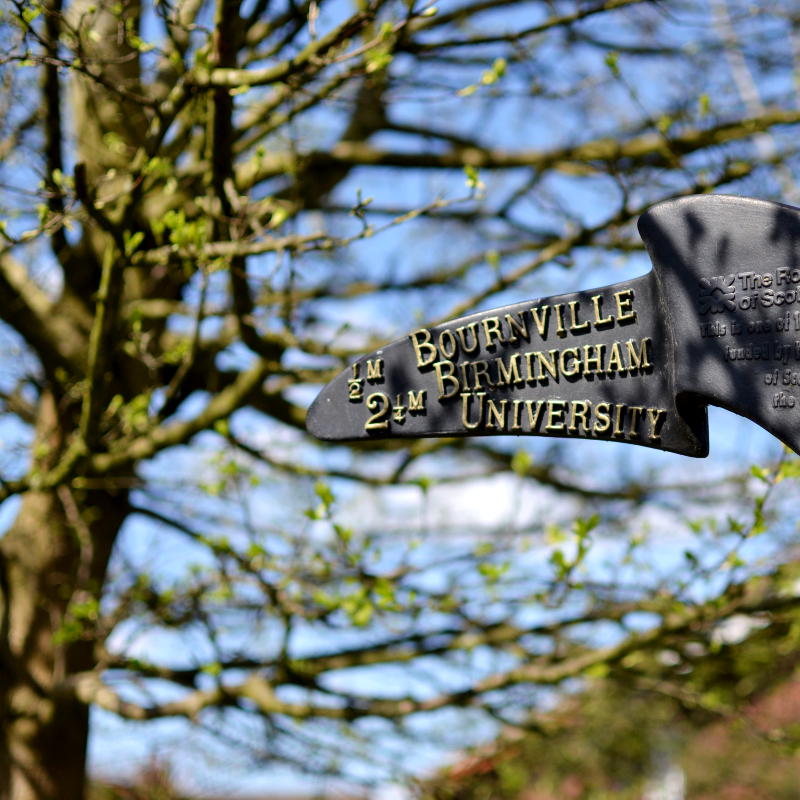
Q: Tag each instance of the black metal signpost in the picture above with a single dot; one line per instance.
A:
(717, 321)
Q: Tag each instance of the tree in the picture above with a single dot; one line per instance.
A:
(208, 209)
(619, 740)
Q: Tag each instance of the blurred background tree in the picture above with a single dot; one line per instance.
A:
(618, 739)
(208, 210)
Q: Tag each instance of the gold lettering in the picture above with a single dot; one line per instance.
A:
(465, 398)
(638, 360)
(515, 426)
(533, 419)
(560, 329)
(550, 365)
(552, 425)
(375, 369)
(615, 362)
(593, 364)
(579, 410)
(416, 401)
(575, 364)
(574, 325)
(355, 390)
(480, 369)
(618, 420)
(473, 329)
(656, 417)
(496, 411)
(464, 369)
(379, 403)
(399, 411)
(447, 346)
(541, 318)
(529, 376)
(624, 300)
(492, 329)
(603, 418)
(600, 321)
(423, 349)
(517, 327)
(508, 374)
(445, 378)
(635, 413)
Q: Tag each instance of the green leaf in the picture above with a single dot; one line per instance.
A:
(31, 12)
(554, 534)
(424, 483)
(759, 520)
(132, 241)
(324, 599)
(790, 468)
(315, 513)
(222, 427)
(760, 472)
(323, 491)
(598, 670)
(559, 560)
(278, 217)
(583, 527)
(521, 462)
(385, 593)
(493, 572)
(379, 57)
(345, 534)
(473, 180)
(735, 525)
(362, 615)
(498, 69)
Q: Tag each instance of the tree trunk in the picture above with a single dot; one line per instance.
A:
(53, 564)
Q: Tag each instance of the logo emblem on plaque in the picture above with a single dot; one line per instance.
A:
(717, 294)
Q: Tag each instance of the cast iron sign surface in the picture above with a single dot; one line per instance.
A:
(717, 321)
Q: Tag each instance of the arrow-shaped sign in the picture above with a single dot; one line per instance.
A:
(717, 321)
